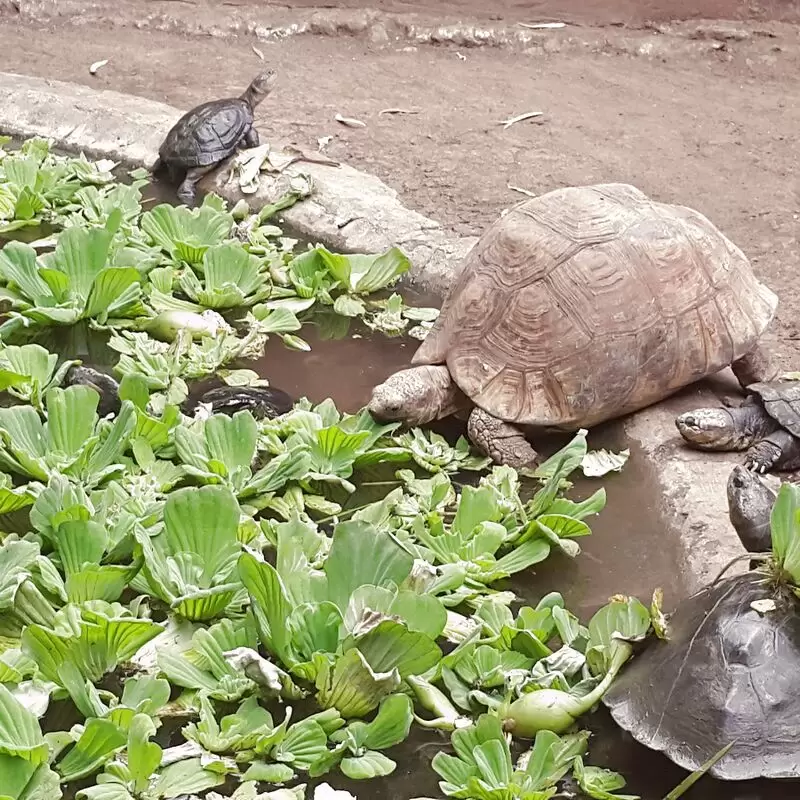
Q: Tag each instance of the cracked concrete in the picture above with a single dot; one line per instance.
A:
(353, 211)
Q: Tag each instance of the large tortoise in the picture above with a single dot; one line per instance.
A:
(210, 133)
(578, 306)
(729, 673)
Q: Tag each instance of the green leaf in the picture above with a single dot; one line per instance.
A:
(785, 527)
(391, 724)
(71, 417)
(270, 603)
(97, 744)
(204, 522)
(185, 778)
(600, 784)
(361, 554)
(390, 645)
(20, 734)
(304, 744)
(144, 756)
(350, 685)
(552, 755)
(368, 765)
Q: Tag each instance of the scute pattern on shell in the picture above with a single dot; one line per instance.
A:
(781, 401)
(207, 134)
(727, 673)
(591, 302)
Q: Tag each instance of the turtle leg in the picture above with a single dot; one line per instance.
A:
(755, 367)
(187, 191)
(779, 450)
(501, 441)
(251, 138)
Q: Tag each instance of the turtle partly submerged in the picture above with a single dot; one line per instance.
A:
(766, 425)
(105, 386)
(263, 402)
(208, 134)
(728, 673)
(579, 306)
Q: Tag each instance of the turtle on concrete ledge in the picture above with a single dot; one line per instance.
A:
(767, 425)
(579, 306)
(208, 134)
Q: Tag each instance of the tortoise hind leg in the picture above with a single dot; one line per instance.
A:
(187, 191)
(755, 367)
(779, 450)
(502, 442)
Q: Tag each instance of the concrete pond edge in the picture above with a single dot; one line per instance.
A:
(352, 211)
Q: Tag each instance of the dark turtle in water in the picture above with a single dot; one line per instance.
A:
(103, 384)
(729, 672)
(208, 134)
(262, 402)
(767, 425)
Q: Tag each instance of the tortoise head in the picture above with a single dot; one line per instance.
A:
(260, 87)
(416, 396)
(750, 502)
(709, 429)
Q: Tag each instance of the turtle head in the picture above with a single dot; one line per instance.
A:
(750, 502)
(260, 87)
(416, 396)
(709, 429)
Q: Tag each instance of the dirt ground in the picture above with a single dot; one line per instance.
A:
(714, 128)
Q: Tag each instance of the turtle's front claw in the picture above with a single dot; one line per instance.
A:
(762, 457)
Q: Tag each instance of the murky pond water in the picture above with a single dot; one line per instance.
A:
(630, 550)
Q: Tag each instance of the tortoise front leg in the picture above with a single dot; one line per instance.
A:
(755, 367)
(187, 191)
(503, 442)
(779, 450)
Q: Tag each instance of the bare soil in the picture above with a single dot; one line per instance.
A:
(713, 126)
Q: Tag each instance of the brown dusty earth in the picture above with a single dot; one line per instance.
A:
(707, 121)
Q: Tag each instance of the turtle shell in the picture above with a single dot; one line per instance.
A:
(781, 400)
(263, 402)
(591, 302)
(727, 673)
(207, 134)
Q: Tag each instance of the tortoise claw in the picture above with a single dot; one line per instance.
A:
(762, 457)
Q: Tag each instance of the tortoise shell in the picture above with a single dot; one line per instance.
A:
(727, 673)
(781, 400)
(207, 134)
(587, 303)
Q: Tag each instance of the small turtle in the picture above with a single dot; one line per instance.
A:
(767, 425)
(208, 134)
(103, 384)
(576, 307)
(262, 402)
(728, 673)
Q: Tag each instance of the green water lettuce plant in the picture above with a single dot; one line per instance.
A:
(184, 235)
(27, 372)
(483, 767)
(222, 450)
(348, 628)
(36, 184)
(553, 702)
(78, 280)
(191, 564)
(73, 441)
